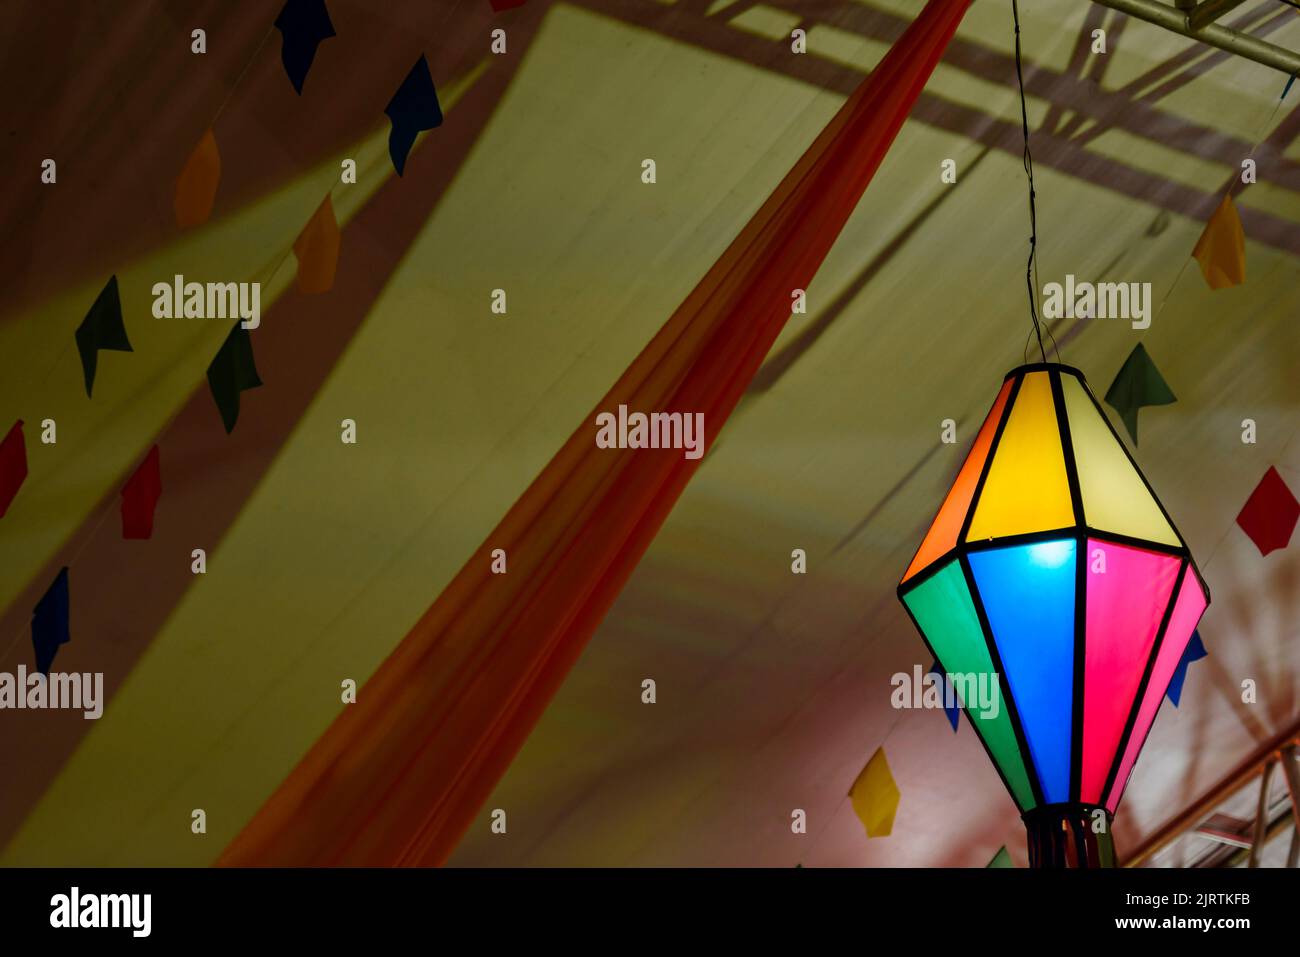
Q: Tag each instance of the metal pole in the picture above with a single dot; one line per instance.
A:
(1225, 38)
(1209, 11)
(1292, 772)
(1235, 780)
(1261, 816)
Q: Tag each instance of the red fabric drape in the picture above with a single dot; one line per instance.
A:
(400, 775)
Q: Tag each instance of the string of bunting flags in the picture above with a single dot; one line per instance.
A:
(414, 108)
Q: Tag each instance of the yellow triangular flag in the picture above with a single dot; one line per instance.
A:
(196, 187)
(1221, 250)
(317, 250)
(875, 796)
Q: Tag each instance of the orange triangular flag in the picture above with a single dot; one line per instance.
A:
(317, 250)
(875, 796)
(1221, 250)
(196, 187)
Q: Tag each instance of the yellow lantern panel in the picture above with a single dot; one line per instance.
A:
(1026, 489)
(1115, 499)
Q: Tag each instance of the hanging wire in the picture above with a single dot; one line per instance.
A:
(1031, 265)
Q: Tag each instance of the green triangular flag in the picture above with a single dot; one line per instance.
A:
(101, 329)
(1138, 383)
(1001, 859)
(231, 372)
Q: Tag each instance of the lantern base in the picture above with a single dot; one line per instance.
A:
(1069, 835)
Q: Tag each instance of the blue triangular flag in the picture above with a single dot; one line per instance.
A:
(1194, 651)
(414, 107)
(304, 24)
(954, 712)
(1287, 88)
(50, 622)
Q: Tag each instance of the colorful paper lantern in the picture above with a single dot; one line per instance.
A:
(1053, 570)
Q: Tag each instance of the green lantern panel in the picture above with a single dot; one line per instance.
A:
(946, 615)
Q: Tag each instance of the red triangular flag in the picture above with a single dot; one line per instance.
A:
(1270, 514)
(13, 465)
(139, 496)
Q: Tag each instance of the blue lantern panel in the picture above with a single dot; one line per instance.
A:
(1028, 595)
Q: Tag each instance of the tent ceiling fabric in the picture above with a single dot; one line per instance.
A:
(773, 689)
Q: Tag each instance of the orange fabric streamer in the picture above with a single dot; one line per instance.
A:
(1221, 250)
(400, 775)
(196, 187)
(317, 250)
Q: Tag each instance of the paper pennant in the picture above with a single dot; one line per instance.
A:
(1221, 250)
(1269, 515)
(304, 25)
(13, 465)
(1137, 384)
(101, 329)
(953, 713)
(231, 371)
(50, 622)
(414, 107)
(140, 496)
(196, 187)
(875, 796)
(317, 250)
(1001, 859)
(1194, 651)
